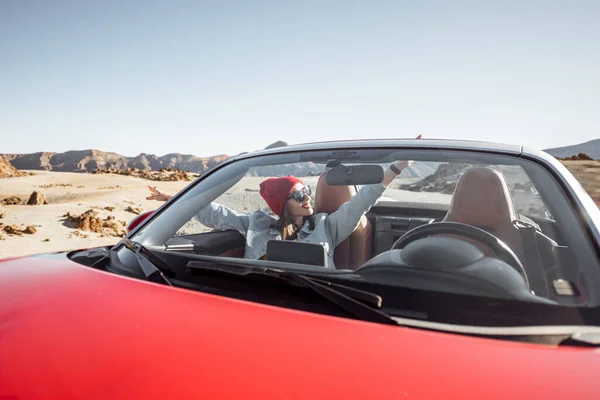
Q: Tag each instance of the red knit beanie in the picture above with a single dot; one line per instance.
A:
(276, 190)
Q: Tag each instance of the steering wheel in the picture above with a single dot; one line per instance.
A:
(500, 248)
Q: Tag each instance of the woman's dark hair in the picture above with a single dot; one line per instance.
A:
(286, 226)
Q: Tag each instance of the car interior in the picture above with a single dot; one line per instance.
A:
(481, 200)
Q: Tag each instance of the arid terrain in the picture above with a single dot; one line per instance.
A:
(588, 174)
(115, 199)
(71, 210)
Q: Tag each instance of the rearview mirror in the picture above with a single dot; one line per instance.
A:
(344, 175)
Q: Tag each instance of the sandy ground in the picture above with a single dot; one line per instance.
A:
(83, 192)
(588, 174)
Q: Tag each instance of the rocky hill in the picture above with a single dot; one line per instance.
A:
(8, 171)
(591, 148)
(92, 160)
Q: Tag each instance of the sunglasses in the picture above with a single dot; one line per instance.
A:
(299, 195)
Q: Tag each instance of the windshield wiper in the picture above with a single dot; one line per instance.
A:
(151, 265)
(360, 304)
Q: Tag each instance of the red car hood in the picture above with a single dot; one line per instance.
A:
(68, 331)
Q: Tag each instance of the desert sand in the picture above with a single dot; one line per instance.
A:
(588, 174)
(72, 193)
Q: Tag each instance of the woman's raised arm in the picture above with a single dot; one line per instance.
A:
(214, 215)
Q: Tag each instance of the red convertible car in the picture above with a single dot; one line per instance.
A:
(473, 273)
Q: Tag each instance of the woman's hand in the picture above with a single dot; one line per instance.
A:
(157, 194)
(400, 165)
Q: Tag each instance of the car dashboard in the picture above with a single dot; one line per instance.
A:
(391, 222)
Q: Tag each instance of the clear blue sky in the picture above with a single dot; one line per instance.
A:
(212, 77)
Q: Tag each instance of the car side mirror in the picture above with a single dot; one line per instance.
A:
(138, 220)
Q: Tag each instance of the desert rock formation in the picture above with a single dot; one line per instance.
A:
(92, 160)
(7, 170)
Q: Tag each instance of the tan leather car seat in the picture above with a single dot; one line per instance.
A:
(358, 247)
(482, 199)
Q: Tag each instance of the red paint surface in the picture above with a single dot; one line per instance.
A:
(67, 331)
(138, 220)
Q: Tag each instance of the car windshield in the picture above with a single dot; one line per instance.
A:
(425, 185)
(423, 232)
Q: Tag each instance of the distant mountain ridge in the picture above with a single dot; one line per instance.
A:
(591, 148)
(90, 160)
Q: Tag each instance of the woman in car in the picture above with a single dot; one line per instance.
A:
(289, 199)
